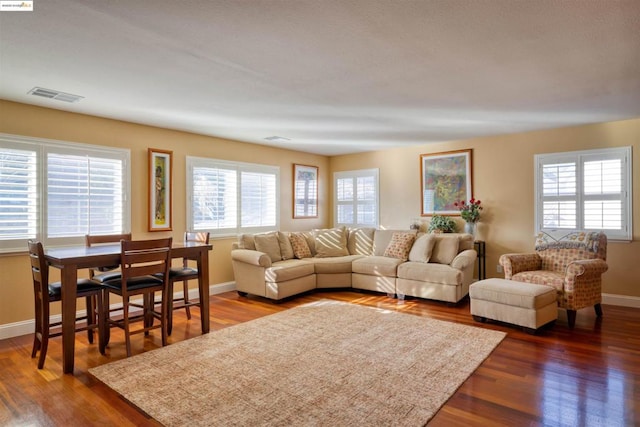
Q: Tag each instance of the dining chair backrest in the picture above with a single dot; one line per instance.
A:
(195, 236)
(97, 239)
(145, 257)
(39, 269)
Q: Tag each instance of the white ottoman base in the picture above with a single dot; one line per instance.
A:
(524, 304)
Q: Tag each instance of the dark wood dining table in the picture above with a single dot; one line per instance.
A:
(70, 259)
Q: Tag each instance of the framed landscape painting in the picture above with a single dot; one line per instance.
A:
(445, 179)
(160, 170)
(305, 191)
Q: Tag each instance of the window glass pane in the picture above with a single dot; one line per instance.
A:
(258, 199)
(559, 214)
(367, 214)
(603, 177)
(344, 189)
(603, 214)
(84, 195)
(366, 188)
(214, 198)
(345, 214)
(18, 194)
(559, 179)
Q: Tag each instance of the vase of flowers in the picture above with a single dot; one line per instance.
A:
(470, 213)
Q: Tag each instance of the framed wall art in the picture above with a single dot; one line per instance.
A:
(305, 191)
(160, 171)
(445, 178)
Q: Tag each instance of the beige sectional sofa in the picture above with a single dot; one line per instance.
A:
(280, 264)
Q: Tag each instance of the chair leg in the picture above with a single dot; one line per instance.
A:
(169, 308)
(101, 322)
(125, 320)
(107, 317)
(165, 315)
(91, 316)
(44, 340)
(185, 294)
(37, 335)
(571, 317)
(598, 309)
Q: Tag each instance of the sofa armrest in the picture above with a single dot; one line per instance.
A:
(252, 257)
(516, 263)
(464, 259)
(587, 267)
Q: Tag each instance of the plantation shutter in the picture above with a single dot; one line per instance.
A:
(18, 194)
(585, 190)
(231, 197)
(84, 195)
(356, 198)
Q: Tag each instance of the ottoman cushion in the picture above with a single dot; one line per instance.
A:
(507, 292)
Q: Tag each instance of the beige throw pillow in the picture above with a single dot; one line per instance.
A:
(445, 250)
(400, 245)
(360, 241)
(422, 248)
(299, 246)
(331, 242)
(268, 243)
(285, 245)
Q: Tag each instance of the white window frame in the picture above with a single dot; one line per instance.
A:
(579, 158)
(42, 147)
(239, 167)
(375, 173)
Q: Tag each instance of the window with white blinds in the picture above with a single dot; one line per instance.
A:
(58, 192)
(585, 190)
(356, 195)
(231, 197)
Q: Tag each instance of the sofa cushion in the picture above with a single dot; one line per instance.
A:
(422, 248)
(441, 274)
(290, 269)
(400, 245)
(285, 246)
(299, 246)
(360, 241)
(376, 266)
(246, 241)
(381, 239)
(331, 242)
(445, 249)
(334, 265)
(268, 243)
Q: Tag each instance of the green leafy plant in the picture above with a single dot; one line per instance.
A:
(441, 223)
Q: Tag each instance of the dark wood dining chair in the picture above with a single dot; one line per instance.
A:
(144, 266)
(45, 293)
(184, 274)
(105, 273)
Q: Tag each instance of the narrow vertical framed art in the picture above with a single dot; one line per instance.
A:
(160, 196)
(305, 191)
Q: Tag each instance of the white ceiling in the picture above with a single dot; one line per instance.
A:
(333, 76)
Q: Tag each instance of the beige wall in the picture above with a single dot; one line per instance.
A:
(503, 179)
(502, 168)
(16, 300)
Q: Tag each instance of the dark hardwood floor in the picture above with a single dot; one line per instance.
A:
(586, 376)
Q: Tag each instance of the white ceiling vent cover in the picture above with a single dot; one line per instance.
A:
(54, 94)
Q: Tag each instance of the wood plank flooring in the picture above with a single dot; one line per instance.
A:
(586, 376)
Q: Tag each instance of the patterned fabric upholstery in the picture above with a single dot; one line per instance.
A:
(572, 263)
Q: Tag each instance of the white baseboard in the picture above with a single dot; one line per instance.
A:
(621, 300)
(26, 327)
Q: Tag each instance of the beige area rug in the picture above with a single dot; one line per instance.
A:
(325, 363)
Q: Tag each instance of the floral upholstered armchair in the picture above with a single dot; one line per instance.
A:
(573, 264)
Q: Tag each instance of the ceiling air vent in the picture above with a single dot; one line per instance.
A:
(54, 94)
(277, 138)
